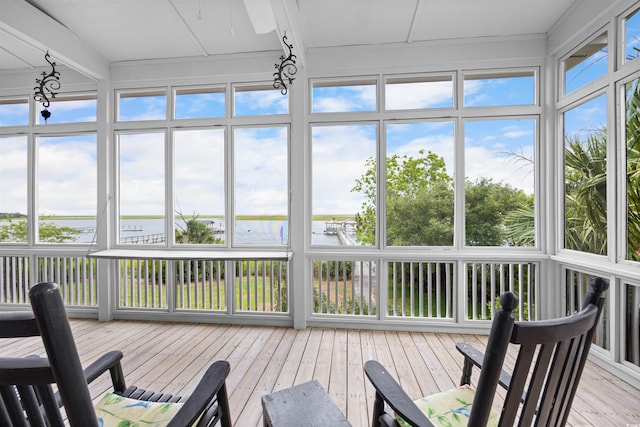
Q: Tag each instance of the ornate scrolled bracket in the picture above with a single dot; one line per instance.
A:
(46, 86)
(287, 68)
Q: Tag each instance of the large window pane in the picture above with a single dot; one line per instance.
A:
(14, 112)
(198, 183)
(67, 189)
(499, 88)
(586, 64)
(419, 184)
(411, 93)
(329, 97)
(632, 131)
(344, 184)
(585, 169)
(142, 187)
(261, 186)
(259, 101)
(499, 187)
(13, 189)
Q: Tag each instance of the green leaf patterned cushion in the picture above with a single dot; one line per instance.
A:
(117, 411)
(450, 408)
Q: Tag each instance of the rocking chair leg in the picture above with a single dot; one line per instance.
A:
(466, 372)
(378, 410)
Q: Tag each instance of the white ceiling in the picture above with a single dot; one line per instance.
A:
(109, 31)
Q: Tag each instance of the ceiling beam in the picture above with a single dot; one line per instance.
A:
(40, 31)
(196, 41)
(288, 22)
(416, 14)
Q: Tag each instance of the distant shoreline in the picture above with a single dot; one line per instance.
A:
(327, 217)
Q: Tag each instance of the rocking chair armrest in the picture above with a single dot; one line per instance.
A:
(25, 370)
(107, 362)
(210, 390)
(388, 389)
(473, 356)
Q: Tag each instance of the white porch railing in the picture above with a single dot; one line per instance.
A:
(374, 290)
(576, 288)
(487, 281)
(203, 285)
(412, 289)
(631, 302)
(75, 274)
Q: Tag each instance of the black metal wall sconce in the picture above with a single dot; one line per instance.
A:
(287, 68)
(46, 86)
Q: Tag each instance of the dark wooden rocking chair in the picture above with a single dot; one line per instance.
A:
(540, 388)
(27, 395)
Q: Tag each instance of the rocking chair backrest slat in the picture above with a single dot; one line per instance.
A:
(518, 383)
(559, 369)
(12, 406)
(26, 391)
(37, 402)
(30, 405)
(50, 404)
(4, 415)
(567, 377)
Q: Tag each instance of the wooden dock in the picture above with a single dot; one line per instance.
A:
(335, 226)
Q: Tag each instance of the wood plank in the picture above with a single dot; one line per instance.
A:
(308, 357)
(356, 396)
(322, 372)
(267, 367)
(367, 343)
(419, 366)
(252, 364)
(338, 375)
(441, 379)
(405, 375)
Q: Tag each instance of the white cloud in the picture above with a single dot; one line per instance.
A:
(418, 95)
(344, 99)
(499, 167)
(13, 174)
(339, 154)
(141, 166)
(67, 181)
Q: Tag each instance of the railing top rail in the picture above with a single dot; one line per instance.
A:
(189, 254)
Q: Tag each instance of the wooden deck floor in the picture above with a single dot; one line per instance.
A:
(172, 356)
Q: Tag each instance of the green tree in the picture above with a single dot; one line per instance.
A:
(487, 207)
(195, 232)
(49, 232)
(633, 170)
(420, 206)
(426, 219)
(408, 181)
(520, 224)
(586, 193)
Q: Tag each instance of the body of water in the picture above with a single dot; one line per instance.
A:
(255, 232)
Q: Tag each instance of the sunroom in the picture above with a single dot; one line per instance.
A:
(333, 164)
